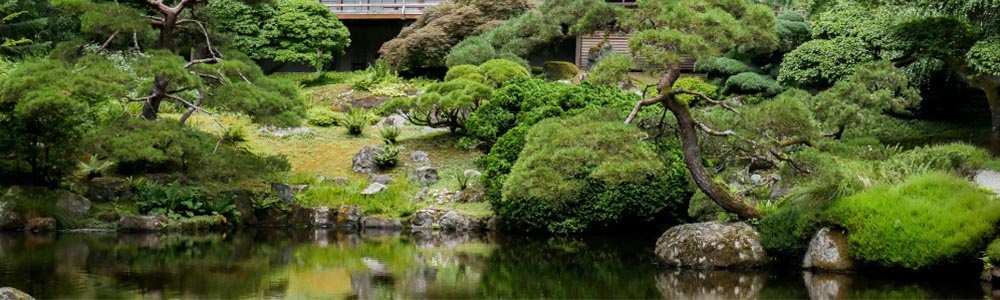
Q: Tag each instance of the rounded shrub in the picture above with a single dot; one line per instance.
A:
(723, 67)
(927, 220)
(322, 117)
(695, 84)
(820, 63)
(500, 71)
(471, 72)
(752, 83)
(587, 172)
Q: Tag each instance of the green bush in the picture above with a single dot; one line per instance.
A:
(820, 63)
(471, 72)
(610, 70)
(723, 67)
(323, 117)
(752, 83)
(992, 252)
(499, 71)
(176, 201)
(560, 70)
(376, 74)
(695, 84)
(788, 230)
(445, 104)
(389, 134)
(356, 121)
(925, 221)
(591, 171)
(387, 156)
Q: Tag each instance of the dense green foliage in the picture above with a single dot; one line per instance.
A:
(723, 67)
(446, 104)
(820, 63)
(176, 201)
(590, 171)
(426, 42)
(515, 38)
(610, 70)
(927, 220)
(752, 83)
(299, 31)
(698, 85)
(323, 117)
(875, 88)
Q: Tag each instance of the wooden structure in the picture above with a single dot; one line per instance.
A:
(587, 44)
(379, 9)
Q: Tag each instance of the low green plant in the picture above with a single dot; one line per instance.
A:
(462, 178)
(95, 167)
(389, 134)
(322, 117)
(387, 156)
(393, 203)
(236, 133)
(177, 201)
(356, 121)
(927, 220)
(992, 254)
(723, 67)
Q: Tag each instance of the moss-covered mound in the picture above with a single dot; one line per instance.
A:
(590, 171)
(927, 220)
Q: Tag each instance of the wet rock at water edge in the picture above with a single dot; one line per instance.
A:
(377, 223)
(453, 221)
(9, 219)
(828, 252)
(287, 192)
(364, 160)
(41, 224)
(381, 179)
(142, 223)
(74, 204)
(711, 245)
(271, 216)
(423, 219)
(104, 189)
(312, 217)
(827, 286)
(419, 156)
(426, 175)
(349, 217)
(9, 293)
(710, 284)
(374, 188)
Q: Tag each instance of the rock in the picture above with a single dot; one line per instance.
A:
(419, 156)
(142, 223)
(710, 284)
(426, 175)
(472, 174)
(376, 223)
(828, 252)
(287, 192)
(271, 216)
(312, 217)
(423, 219)
(756, 179)
(453, 221)
(41, 224)
(349, 217)
(104, 189)
(393, 120)
(338, 180)
(374, 188)
(382, 179)
(599, 52)
(422, 194)
(364, 160)
(560, 70)
(827, 286)
(74, 204)
(470, 196)
(9, 219)
(711, 245)
(244, 205)
(9, 293)
(108, 217)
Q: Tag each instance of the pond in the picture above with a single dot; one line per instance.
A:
(307, 264)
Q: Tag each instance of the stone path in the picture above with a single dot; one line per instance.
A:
(989, 179)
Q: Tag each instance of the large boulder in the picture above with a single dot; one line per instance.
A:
(828, 252)
(9, 219)
(142, 223)
(271, 216)
(364, 160)
(377, 223)
(104, 189)
(423, 219)
(426, 175)
(74, 204)
(453, 221)
(560, 70)
(287, 192)
(312, 217)
(711, 245)
(9, 293)
(40, 224)
(348, 217)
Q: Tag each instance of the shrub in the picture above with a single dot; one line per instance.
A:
(752, 83)
(500, 71)
(471, 72)
(446, 104)
(587, 172)
(723, 67)
(95, 167)
(820, 63)
(610, 70)
(376, 74)
(356, 121)
(389, 134)
(788, 230)
(697, 85)
(387, 156)
(391, 90)
(927, 220)
(560, 70)
(323, 117)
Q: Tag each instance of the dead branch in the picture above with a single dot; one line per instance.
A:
(707, 99)
(641, 104)
(714, 132)
(107, 42)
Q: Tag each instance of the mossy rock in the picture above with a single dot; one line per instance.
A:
(560, 70)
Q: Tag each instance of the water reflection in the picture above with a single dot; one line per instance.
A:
(323, 264)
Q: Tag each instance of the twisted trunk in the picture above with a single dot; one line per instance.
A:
(151, 108)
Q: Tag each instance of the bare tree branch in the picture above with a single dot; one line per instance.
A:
(107, 42)
(641, 104)
(707, 99)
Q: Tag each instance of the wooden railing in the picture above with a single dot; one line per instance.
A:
(379, 9)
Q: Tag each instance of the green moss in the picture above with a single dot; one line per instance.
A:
(925, 221)
(560, 70)
(993, 250)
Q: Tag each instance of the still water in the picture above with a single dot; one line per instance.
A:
(337, 265)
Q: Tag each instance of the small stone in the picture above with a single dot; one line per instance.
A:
(45, 224)
(374, 188)
(756, 178)
(426, 175)
(419, 156)
(9, 293)
(287, 192)
(74, 204)
(338, 180)
(142, 223)
(382, 179)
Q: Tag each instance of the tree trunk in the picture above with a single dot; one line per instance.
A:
(692, 158)
(152, 106)
(993, 95)
(167, 31)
